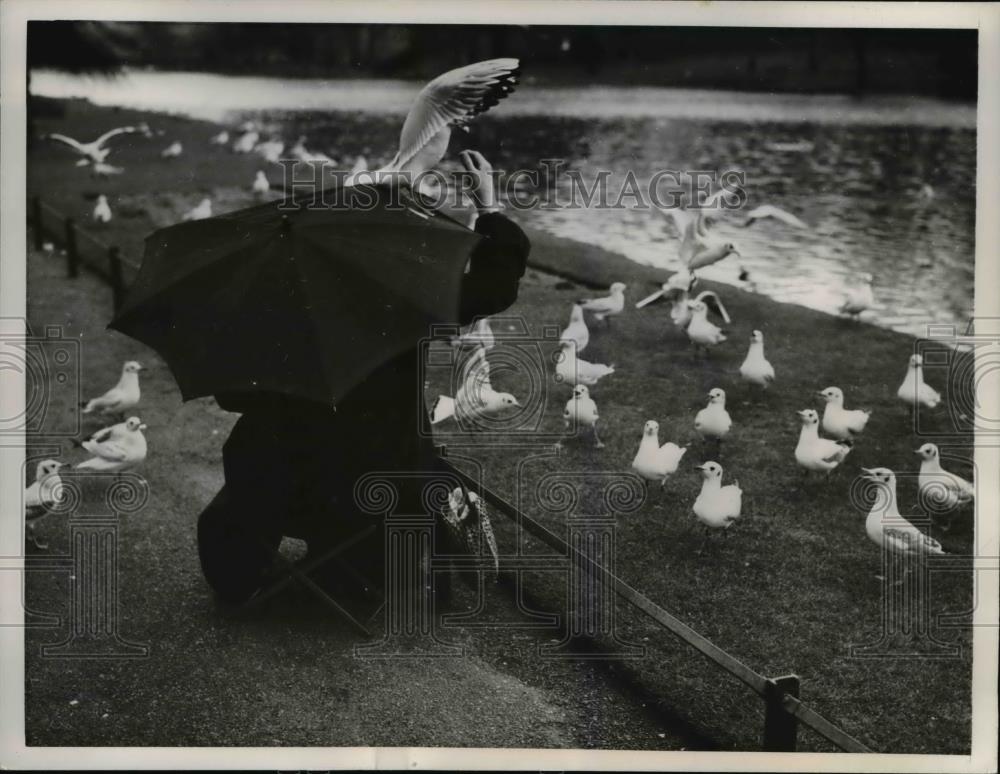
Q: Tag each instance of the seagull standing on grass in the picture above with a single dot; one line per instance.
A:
(270, 150)
(201, 212)
(572, 370)
(815, 453)
(755, 368)
(481, 335)
(95, 152)
(261, 186)
(577, 330)
(887, 528)
(608, 306)
(703, 333)
(39, 498)
(102, 210)
(839, 422)
(222, 138)
(936, 484)
(116, 448)
(582, 411)
(655, 462)
(717, 506)
(172, 151)
(858, 297)
(714, 421)
(120, 398)
(914, 390)
(475, 397)
(246, 142)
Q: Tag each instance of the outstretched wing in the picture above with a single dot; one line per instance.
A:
(455, 97)
(666, 292)
(99, 142)
(713, 302)
(770, 211)
(74, 144)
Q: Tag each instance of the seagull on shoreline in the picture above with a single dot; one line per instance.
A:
(246, 142)
(698, 248)
(943, 489)
(260, 186)
(888, 529)
(770, 211)
(102, 210)
(270, 150)
(576, 331)
(581, 411)
(839, 422)
(755, 368)
(120, 398)
(95, 152)
(222, 138)
(717, 506)
(858, 297)
(914, 390)
(572, 370)
(607, 306)
(815, 453)
(655, 462)
(39, 498)
(117, 448)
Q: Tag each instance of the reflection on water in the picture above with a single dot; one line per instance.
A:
(857, 172)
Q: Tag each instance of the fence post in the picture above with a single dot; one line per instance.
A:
(36, 220)
(72, 258)
(780, 727)
(115, 273)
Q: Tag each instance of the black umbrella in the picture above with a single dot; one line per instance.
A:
(304, 300)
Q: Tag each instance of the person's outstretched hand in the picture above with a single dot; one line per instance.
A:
(481, 189)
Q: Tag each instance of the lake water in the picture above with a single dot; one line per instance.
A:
(887, 185)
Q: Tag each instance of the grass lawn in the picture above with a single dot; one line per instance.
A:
(788, 591)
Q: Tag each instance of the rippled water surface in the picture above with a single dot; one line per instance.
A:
(887, 185)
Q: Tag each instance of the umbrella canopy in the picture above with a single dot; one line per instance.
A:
(304, 301)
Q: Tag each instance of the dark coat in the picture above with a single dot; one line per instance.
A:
(291, 464)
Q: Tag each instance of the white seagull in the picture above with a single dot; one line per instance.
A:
(222, 138)
(703, 333)
(572, 370)
(655, 462)
(201, 212)
(270, 150)
(839, 422)
(39, 498)
(770, 211)
(607, 306)
(475, 397)
(815, 453)
(260, 186)
(100, 169)
(936, 484)
(887, 528)
(246, 142)
(95, 152)
(581, 411)
(102, 210)
(117, 448)
(698, 248)
(755, 368)
(172, 151)
(120, 398)
(858, 296)
(714, 421)
(717, 506)
(450, 100)
(914, 390)
(576, 331)
(480, 334)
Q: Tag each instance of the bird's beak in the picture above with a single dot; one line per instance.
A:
(801, 414)
(699, 467)
(516, 403)
(916, 451)
(142, 427)
(821, 394)
(869, 474)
